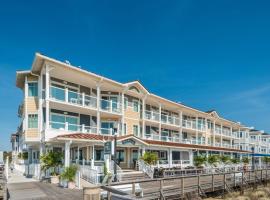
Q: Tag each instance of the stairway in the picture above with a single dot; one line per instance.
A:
(130, 175)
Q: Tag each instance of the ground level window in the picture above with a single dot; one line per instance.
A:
(120, 155)
(99, 155)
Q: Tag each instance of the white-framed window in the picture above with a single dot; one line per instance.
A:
(32, 89)
(135, 106)
(33, 121)
(135, 130)
(125, 128)
(125, 103)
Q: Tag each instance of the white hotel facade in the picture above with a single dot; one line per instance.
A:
(68, 109)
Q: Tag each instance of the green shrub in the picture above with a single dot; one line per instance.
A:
(51, 159)
(199, 161)
(69, 173)
(149, 158)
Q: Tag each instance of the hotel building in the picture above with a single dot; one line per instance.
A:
(68, 109)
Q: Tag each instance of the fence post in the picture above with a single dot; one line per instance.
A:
(266, 179)
(234, 179)
(213, 178)
(199, 184)
(91, 193)
(242, 184)
(133, 188)
(182, 186)
(161, 189)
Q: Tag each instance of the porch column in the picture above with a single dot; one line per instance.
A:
(170, 157)
(87, 153)
(78, 154)
(93, 157)
(67, 153)
(191, 157)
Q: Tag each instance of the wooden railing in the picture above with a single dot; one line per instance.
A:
(180, 187)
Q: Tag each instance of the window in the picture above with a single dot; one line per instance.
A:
(125, 103)
(107, 127)
(99, 155)
(120, 155)
(32, 89)
(59, 122)
(125, 129)
(32, 121)
(135, 130)
(135, 106)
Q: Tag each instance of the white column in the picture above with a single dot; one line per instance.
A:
(170, 157)
(47, 96)
(98, 108)
(143, 117)
(221, 136)
(67, 153)
(78, 153)
(180, 125)
(93, 157)
(40, 120)
(123, 113)
(191, 157)
(159, 120)
(25, 103)
(197, 134)
(214, 134)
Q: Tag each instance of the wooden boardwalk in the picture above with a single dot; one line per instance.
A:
(181, 187)
(41, 191)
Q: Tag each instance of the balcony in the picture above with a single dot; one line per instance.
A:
(218, 131)
(80, 99)
(189, 124)
(110, 106)
(226, 132)
(166, 119)
(151, 115)
(61, 126)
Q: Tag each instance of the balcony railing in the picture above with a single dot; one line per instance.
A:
(166, 119)
(189, 124)
(65, 126)
(110, 106)
(151, 115)
(81, 99)
(226, 132)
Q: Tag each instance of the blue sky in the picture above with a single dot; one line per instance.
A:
(206, 54)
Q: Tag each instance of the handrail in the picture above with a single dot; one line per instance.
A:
(146, 168)
(118, 170)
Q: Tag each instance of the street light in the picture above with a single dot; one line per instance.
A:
(114, 156)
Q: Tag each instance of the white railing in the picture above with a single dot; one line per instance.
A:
(151, 115)
(166, 119)
(144, 167)
(79, 128)
(189, 124)
(218, 130)
(110, 106)
(226, 132)
(89, 174)
(81, 99)
(119, 171)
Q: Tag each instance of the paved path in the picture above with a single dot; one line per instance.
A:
(21, 188)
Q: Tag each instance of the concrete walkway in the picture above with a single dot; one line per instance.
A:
(22, 188)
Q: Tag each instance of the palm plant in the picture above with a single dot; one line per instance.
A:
(52, 160)
(212, 160)
(266, 160)
(235, 160)
(245, 160)
(69, 173)
(200, 160)
(149, 158)
(225, 159)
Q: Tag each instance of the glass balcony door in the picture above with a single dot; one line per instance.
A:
(59, 121)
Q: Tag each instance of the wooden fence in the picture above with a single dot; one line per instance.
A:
(180, 187)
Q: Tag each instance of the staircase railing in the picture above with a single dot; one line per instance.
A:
(146, 168)
(89, 174)
(118, 169)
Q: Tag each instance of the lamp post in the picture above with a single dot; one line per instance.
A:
(114, 153)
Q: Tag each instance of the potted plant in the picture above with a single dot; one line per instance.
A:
(266, 161)
(50, 161)
(149, 158)
(69, 175)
